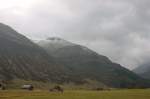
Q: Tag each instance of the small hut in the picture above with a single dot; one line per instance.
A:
(27, 87)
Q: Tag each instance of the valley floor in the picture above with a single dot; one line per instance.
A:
(40, 94)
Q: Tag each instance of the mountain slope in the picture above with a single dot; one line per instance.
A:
(87, 64)
(62, 62)
(22, 59)
(143, 70)
(53, 44)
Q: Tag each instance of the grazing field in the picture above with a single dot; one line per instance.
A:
(114, 94)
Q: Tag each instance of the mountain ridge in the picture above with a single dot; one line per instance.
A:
(23, 59)
(143, 70)
(86, 63)
(20, 58)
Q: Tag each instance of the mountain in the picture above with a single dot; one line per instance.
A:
(20, 58)
(53, 44)
(59, 61)
(84, 63)
(143, 70)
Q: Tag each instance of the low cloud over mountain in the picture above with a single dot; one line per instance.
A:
(118, 29)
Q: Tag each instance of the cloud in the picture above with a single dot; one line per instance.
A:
(118, 29)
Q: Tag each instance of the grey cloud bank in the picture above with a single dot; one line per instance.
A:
(118, 29)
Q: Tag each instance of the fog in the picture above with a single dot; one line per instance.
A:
(118, 29)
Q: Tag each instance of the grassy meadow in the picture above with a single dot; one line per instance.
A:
(76, 94)
(71, 91)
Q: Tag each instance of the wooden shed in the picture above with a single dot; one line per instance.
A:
(27, 87)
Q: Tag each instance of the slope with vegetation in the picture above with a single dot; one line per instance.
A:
(143, 70)
(20, 58)
(59, 61)
(84, 64)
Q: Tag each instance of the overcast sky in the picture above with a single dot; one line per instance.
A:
(119, 29)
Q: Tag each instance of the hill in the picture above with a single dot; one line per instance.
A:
(143, 70)
(86, 64)
(20, 58)
(59, 61)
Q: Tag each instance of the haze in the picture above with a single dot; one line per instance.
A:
(118, 29)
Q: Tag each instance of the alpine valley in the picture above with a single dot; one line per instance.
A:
(59, 61)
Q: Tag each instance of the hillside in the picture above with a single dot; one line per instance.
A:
(59, 61)
(143, 70)
(22, 59)
(87, 64)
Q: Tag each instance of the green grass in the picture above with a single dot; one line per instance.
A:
(41, 94)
